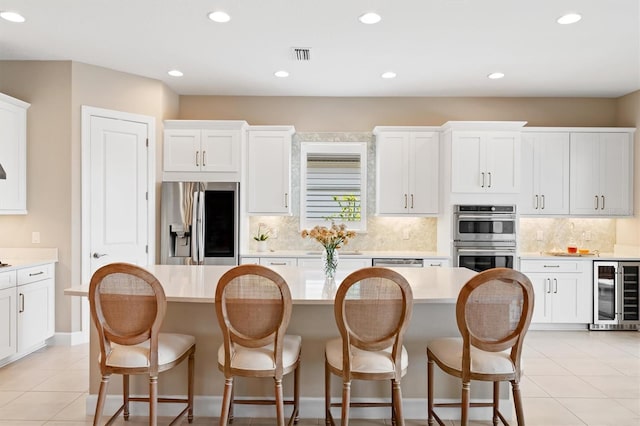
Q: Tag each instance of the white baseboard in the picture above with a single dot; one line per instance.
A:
(68, 339)
(310, 408)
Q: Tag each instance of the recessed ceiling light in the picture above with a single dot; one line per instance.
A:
(370, 18)
(219, 16)
(12, 16)
(281, 74)
(569, 18)
(175, 73)
(389, 74)
(496, 75)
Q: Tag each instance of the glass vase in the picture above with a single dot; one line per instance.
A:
(330, 263)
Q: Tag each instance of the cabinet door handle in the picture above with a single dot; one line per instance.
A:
(596, 202)
(405, 201)
(536, 207)
(411, 200)
(547, 285)
(602, 208)
(278, 263)
(36, 273)
(204, 158)
(197, 158)
(21, 303)
(286, 200)
(555, 285)
(489, 186)
(482, 186)
(542, 198)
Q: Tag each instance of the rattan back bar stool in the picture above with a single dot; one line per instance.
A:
(253, 306)
(493, 312)
(128, 305)
(372, 307)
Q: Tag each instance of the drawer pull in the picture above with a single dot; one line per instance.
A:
(36, 273)
(551, 266)
(278, 263)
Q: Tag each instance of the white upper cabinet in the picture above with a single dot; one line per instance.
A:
(485, 156)
(203, 150)
(13, 155)
(545, 173)
(268, 170)
(407, 173)
(601, 173)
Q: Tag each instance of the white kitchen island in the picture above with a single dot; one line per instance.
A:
(190, 291)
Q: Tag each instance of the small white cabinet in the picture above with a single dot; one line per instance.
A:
(545, 173)
(36, 305)
(13, 155)
(268, 170)
(601, 173)
(407, 172)
(563, 290)
(27, 310)
(209, 148)
(485, 156)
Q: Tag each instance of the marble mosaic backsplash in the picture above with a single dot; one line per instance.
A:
(557, 233)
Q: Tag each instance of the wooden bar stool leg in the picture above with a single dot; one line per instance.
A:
(430, 390)
(296, 394)
(102, 394)
(153, 400)
(327, 394)
(496, 402)
(393, 406)
(517, 402)
(466, 389)
(397, 403)
(226, 400)
(346, 403)
(279, 403)
(190, 390)
(125, 395)
(231, 405)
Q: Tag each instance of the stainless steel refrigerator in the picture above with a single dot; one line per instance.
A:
(199, 223)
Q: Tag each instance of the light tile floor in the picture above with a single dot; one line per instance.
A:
(571, 378)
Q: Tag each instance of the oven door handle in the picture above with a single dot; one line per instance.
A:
(493, 217)
(497, 250)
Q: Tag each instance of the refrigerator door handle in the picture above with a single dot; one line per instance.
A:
(201, 228)
(195, 228)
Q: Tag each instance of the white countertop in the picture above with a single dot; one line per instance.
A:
(196, 284)
(597, 256)
(18, 258)
(347, 254)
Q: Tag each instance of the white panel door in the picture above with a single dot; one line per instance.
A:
(220, 151)
(467, 162)
(423, 169)
(7, 322)
(392, 174)
(182, 150)
(118, 204)
(35, 303)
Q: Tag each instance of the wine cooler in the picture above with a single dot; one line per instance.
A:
(616, 296)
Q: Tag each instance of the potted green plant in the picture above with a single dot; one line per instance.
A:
(262, 236)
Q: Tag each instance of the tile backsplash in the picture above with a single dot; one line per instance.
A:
(557, 233)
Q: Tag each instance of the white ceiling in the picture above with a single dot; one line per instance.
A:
(436, 47)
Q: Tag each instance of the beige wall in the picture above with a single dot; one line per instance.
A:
(628, 115)
(56, 91)
(326, 114)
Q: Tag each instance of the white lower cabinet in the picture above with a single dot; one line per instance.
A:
(345, 266)
(562, 288)
(278, 261)
(27, 309)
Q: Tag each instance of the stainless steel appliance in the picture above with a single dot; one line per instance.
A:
(484, 236)
(616, 296)
(199, 223)
(397, 262)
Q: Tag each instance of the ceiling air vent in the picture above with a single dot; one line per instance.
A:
(301, 53)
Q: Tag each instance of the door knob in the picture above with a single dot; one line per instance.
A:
(98, 255)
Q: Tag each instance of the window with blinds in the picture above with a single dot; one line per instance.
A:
(333, 177)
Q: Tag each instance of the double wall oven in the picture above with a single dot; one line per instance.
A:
(484, 236)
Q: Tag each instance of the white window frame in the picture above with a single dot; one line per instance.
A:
(359, 148)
